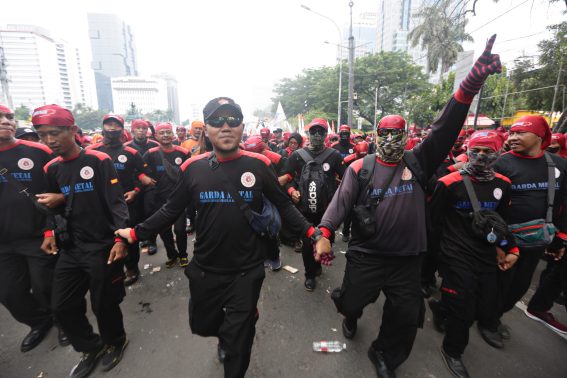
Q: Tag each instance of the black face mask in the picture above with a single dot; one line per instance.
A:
(553, 150)
(112, 137)
(344, 138)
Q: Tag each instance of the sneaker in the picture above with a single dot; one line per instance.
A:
(455, 365)
(171, 263)
(113, 355)
(298, 246)
(274, 265)
(310, 284)
(183, 262)
(152, 249)
(548, 319)
(87, 363)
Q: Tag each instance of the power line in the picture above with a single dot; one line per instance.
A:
(527, 90)
(497, 17)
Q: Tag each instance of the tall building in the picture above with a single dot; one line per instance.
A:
(395, 21)
(147, 94)
(113, 53)
(172, 96)
(39, 69)
(364, 33)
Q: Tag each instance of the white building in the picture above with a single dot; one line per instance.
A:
(147, 94)
(395, 21)
(40, 69)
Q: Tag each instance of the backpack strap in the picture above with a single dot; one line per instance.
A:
(304, 155)
(324, 155)
(550, 187)
(365, 174)
(470, 192)
(413, 164)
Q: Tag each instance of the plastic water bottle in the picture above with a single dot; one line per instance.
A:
(328, 346)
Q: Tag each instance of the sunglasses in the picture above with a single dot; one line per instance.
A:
(393, 132)
(220, 121)
(319, 131)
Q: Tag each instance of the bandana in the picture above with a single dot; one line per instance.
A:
(317, 142)
(112, 138)
(390, 149)
(479, 166)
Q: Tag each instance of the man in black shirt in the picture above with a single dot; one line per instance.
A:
(469, 262)
(26, 273)
(379, 259)
(313, 197)
(131, 172)
(90, 257)
(344, 145)
(226, 272)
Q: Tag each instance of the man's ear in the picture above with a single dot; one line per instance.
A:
(74, 129)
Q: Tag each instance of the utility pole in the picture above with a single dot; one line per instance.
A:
(478, 107)
(555, 94)
(350, 68)
(376, 109)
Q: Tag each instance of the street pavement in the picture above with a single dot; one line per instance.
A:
(291, 319)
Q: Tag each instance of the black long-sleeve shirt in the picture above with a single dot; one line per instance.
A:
(529, 178)
(400, 217)
(451, 209)
(128, 163)
(158, 171)
(98, 207)
(142, 148)
(19, 217)
(225, 241)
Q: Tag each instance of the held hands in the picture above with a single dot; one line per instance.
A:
(557, 255)
(322, 249)
(130, 196)
(295, 196)
(505, 261)
(49, 245)
(487, 64)
(51, 200)
(147, 181)
(124, 233)
(118, 252)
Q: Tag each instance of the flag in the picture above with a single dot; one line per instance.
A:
(280, 120)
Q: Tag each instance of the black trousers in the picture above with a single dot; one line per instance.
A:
(398, 277)
(26, 276)
(550, 287)
(180, 238)
(430, 260)
(224, 305)
(272, 249)
(346, 224)
(136, 211)
(516, 281)
(78, 271)
(466, 295)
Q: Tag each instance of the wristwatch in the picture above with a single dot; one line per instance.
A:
(317, 235)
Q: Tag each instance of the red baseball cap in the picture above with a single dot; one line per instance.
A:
(392, 122)
(52, 115)
(164, 125)
(559, 138)
(254, 144)
(318, 122)
(113, 117)
(264, 131)
(344, 128)
(5, 109)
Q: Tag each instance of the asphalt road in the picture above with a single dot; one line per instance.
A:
(161, 345)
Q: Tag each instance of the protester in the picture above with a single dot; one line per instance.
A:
(192, 143)
(471, 255)
(226, 272)
(344, 145)
(90, 257)
(27, 133)
(181, 133)
(26, 273)
(391, 200)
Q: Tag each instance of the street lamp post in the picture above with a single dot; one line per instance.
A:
(350, 68)
(339, 106)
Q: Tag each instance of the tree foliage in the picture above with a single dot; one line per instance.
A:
(87, 118)
(22, 113)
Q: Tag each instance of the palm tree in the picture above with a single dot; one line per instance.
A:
(441, 35)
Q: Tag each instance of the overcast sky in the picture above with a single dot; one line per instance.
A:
(242, 48)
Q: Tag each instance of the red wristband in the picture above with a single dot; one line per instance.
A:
(133, 235)
(48, 234)
(326, 232)
(141, 176)
(290, 191)
(138, 190)
(514, 251)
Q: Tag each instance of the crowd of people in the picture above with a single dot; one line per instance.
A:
(477, 209)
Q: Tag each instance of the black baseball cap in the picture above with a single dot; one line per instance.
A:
(220, 103)
(21, 131)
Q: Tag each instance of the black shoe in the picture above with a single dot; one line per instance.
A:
(298, 246)
(310, 284)
(152, 249)
(349, 328)
(381, 369)
(455, 365)
(438, 318)
(87, 363)
(221, 354)
(492, 338)
(113, 355)
(132, 277)
(504, 331)
(62, 337)
(35, 337)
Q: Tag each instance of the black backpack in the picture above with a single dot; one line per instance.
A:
(316, 191)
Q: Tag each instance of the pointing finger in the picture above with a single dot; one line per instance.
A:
(489, 44)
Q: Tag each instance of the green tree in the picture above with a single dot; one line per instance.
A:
(441, 33)
(87, 118)
(423, 107)
(22, 113)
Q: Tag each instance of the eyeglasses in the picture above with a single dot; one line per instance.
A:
(317, 131)
(393, 132)
(220, 121)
